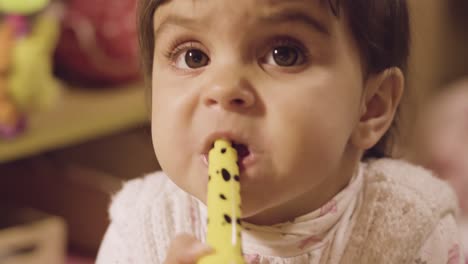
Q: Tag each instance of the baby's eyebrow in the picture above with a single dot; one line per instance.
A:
(296, 16)
(173, 20)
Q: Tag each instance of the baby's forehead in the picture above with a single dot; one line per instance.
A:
(243, 11)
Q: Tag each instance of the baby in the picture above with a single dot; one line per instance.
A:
(307, 92)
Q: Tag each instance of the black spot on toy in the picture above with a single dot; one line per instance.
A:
(236, 178)
(226, 174)
(222, 196)
(223, 150)
(227, 218)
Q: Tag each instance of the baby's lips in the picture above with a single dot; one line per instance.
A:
(223, 136)
(241, 149)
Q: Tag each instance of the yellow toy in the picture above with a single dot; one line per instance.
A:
(22, 6)
(26, 49)
(31, 82)
(224, 201)
(11, 119)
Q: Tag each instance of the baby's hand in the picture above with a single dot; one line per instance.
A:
(186, 249)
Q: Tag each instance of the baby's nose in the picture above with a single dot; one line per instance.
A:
(230, 94)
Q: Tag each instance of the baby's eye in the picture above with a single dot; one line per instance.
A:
(191, 59)
(285, 56)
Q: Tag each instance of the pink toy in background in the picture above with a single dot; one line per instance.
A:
(443, 146)
(98, 44)
(20, 24)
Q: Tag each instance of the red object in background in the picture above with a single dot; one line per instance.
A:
(98, 43)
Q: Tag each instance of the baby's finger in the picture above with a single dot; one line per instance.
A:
(186, 249)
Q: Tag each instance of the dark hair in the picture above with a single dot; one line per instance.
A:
(380, 28)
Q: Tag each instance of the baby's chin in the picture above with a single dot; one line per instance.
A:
(260, 213)
(261, 217)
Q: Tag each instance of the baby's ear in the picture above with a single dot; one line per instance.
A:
(381, 97)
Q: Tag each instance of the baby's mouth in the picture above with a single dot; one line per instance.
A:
(243, 152)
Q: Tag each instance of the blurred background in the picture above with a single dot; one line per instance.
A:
(74, 117)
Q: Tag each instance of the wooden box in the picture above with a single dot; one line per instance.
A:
(28, 236)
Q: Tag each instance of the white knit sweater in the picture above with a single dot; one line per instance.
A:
(391, 212)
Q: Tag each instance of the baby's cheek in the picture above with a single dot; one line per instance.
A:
(171, 152)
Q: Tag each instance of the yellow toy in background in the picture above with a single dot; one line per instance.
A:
(27, 44)
(22, 6)
(224, 206)
(11, 119)
(31, 81)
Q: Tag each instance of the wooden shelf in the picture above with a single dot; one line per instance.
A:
(81, 115)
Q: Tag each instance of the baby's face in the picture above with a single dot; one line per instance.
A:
(282, 79)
